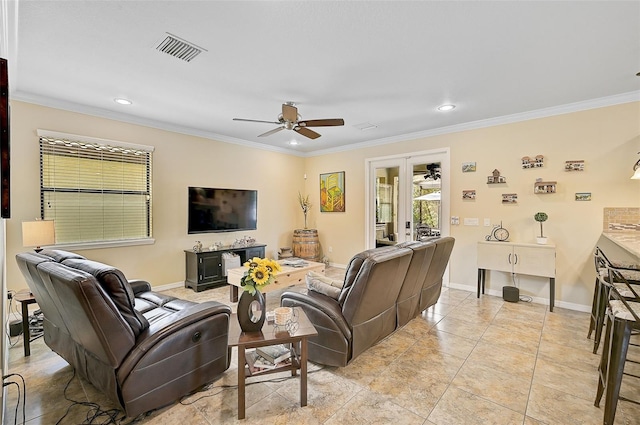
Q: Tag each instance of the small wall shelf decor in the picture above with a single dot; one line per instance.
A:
(583, 196)
(577, 165)
(468, 167)
(509, 198)
(536, 162)
(469, 194)
(544, 187)
(495, 177)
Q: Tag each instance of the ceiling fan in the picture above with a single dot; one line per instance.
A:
(289, 119)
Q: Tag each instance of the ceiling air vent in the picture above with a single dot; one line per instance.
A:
(179, 48)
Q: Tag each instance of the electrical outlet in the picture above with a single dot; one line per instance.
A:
(487, 222)
(330, 249)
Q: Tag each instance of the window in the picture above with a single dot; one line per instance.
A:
(96, 191)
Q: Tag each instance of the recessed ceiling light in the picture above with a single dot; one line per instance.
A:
(293, 142)
(445, 108)
(122, 101)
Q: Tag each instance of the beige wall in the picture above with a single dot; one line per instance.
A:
(179, 161)
(607, 139)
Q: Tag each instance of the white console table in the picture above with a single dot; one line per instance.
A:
(518, 258)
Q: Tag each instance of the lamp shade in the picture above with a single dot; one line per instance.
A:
(38, 233)
(636, 174)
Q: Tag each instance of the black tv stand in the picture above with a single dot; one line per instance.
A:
(204, 269)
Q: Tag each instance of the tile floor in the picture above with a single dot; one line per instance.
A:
(464, 361)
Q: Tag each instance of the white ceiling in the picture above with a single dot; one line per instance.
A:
(386, 63)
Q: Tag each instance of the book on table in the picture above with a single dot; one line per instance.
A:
(258, 364)
(274, 353)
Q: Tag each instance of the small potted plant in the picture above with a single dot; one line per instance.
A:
(541, 217)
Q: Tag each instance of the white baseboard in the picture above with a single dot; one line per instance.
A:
(167, 286)
(537, 300)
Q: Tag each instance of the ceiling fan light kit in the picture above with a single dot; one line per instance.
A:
(289, 119)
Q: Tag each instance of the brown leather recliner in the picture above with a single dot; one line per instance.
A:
(408, 303)
(432, 285)
(384, 288)
(142, 349)
(365, 311)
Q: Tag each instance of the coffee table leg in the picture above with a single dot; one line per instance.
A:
(303, 372)
(241, 382)
(233, 293)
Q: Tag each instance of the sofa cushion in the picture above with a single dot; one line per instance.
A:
(117, 287)
(324, 285)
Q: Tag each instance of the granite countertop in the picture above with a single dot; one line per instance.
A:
(629, 241)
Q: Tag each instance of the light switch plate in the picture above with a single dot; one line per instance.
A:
(471, 221)
(487, 222)
(455, 220)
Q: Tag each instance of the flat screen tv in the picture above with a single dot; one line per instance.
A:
(222, 210)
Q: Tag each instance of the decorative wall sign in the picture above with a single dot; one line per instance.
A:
(332, 196)
(495, 177)
(583, 196)
(468, 167)
(536, 162)
(544, 187)
(469, 194)
(574, 165)
(509, 198)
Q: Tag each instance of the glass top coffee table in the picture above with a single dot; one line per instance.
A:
(272, 334)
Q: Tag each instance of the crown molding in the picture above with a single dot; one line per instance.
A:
(473, 125)
(602, 102)
(130, 119)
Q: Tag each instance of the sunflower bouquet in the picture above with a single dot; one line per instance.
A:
(260, 272)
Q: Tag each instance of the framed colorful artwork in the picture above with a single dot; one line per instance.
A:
(332, 197)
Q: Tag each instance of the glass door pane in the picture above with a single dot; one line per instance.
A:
(426, 198)
(386, 200)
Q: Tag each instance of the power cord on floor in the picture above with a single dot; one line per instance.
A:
(95, 411)
(227, 387)
(24, 395)
(523, 298)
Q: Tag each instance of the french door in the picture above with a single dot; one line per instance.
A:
(407, 197)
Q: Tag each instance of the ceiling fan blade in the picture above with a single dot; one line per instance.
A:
(270, 132)
(267, 122)
(321, 123)
(306, 132)
(289, 113)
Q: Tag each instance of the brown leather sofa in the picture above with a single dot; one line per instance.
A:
(142, 349)
(384, 288)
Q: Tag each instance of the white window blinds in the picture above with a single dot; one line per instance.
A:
(95, 192)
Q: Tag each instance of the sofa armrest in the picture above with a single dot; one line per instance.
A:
(332, 345)
(197, 332)
(138, 286)
(322, 304)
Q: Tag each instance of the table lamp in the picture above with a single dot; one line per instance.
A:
(38, 233)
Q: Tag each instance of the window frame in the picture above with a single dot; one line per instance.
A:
(107, 243)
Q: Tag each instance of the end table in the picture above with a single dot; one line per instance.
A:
(25, 299)
(272, 334)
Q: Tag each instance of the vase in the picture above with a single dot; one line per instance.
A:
(251, 311)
